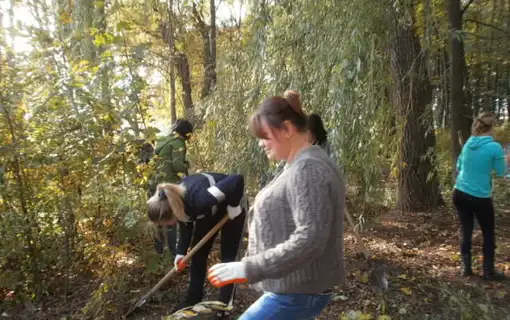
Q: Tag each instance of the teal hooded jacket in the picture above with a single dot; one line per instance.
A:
(480, 156)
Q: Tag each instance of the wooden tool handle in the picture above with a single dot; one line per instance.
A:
(186, 259)
(206, 238)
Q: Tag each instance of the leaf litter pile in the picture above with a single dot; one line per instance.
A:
(419, 252)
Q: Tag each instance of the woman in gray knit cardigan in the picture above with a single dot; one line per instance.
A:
(295, 248)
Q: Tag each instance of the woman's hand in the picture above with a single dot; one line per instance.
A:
(223, 274)
(177, 263)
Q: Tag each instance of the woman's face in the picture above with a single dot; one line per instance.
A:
(277, 142)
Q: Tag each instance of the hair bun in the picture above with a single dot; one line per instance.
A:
(292, 98)
(487, 118)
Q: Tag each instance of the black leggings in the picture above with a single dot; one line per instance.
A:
(469, 207)
(231, 234)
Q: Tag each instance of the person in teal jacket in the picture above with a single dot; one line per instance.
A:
(170, 166)
(472, 196)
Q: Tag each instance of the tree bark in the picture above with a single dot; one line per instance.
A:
(460, 114)
(212, 67)
(183, 70)
(83, 14)
(507, 92)
(100, 16)
(180, 62)
(171, 44)
(418, 186)
(208, 34)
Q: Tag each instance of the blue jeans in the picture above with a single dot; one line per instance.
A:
(274, 306)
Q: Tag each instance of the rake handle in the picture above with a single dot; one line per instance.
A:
(184, 260)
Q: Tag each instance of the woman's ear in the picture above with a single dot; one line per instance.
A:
(288, 129)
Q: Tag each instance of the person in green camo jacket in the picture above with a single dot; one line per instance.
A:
(170, 166)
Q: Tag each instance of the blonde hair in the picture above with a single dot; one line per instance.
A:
(166, 203)
(483, 123)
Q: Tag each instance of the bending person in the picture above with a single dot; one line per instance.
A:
(197, 205)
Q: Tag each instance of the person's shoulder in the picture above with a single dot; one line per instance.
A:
(192, 178)
(317, 158)
(496, 147)
(161, 140)
(217, 176)
(177, 142)
(311, 168)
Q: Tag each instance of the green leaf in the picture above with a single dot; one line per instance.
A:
(123, 25)
(99, 40)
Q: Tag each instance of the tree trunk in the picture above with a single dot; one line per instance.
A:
(83, 14)
(460, 115)
(171, 44)
(495, 91)
(476, 68)
(100, 16)
(507, 91)
(173, 109)
(212, 67)
(488, 88)
(418, 186)
(442, 89)
(180, 62)
(183, 69)
(206, 33)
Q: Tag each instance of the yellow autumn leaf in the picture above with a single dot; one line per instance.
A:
(501, 294)
(364, 278)
(407, 291)
(180, 174)
(384, 317)
(65, 18)
(366, 316)
(402, 276)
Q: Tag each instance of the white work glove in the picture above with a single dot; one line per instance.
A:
(233, 212)
(177, 263)
(223, 274)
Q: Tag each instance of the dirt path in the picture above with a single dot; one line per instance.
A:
(419, 250)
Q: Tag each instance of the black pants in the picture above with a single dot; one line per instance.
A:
(231, 234)
(469, 207)
(165, 232)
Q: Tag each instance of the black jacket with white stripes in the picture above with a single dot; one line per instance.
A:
(203, 200)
